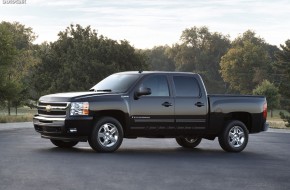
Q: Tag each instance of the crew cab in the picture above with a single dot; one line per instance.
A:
(153, 105)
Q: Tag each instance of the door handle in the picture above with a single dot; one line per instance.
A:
(166, 104)
(199, 104)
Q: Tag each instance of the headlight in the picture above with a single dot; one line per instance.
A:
(79, 108)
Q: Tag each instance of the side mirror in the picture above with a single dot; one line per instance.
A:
(142, 91)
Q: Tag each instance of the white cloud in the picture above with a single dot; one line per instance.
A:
(146, 23)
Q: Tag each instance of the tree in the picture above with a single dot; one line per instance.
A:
(283, 65)
(271, 92)
(200, 51)
(7, 50)
(158, 59)
(7, 56)
(16, 40)
(79, 59)
(246, 64)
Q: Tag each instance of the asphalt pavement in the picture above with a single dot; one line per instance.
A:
(28, 162)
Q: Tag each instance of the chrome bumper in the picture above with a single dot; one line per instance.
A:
(47, 121)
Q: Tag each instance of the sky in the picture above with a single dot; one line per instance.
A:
(149, 23)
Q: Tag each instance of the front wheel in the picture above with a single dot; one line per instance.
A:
(234, 138)
(107, 135)
(188, 142)
(64, 144)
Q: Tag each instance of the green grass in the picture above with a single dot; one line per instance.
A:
(276, 114)
(20, 111)
(277, 124)
(15, 118)
(24, 114)
(275, 121)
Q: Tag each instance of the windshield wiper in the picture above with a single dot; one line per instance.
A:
(105, 90)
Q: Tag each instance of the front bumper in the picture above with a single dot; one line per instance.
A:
(70, 128)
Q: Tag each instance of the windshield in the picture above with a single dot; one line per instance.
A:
(116, 83)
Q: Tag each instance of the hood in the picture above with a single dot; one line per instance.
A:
(71, 96)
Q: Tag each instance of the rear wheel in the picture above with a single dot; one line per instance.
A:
(235, 137)
(107, 135)
(188, 142)
(64, 144)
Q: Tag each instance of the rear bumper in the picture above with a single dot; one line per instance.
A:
(71, 128)
(266, 126)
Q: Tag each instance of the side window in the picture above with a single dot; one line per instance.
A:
(186, 86)
(157, 84)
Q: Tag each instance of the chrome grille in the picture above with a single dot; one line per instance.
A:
(52, 108)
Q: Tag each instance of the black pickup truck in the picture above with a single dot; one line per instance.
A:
(153, 105)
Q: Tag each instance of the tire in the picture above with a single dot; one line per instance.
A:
(188, 142)
(64, 144)
(107, 135)
(235, 136)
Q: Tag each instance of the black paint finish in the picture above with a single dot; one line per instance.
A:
(164, 113)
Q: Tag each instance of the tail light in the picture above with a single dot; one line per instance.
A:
(265, 111)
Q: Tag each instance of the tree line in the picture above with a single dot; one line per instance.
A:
(80, 58)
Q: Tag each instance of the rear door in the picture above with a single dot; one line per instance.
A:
(190, 103)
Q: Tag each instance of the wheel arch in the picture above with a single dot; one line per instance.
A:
(244, 117)
(117, 114)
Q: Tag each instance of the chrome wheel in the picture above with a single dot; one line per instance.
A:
(188, 142)
(191, 140)
(108, 135)
(236, 137)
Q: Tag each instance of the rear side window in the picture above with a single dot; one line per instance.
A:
(186, 86)
(157, 84)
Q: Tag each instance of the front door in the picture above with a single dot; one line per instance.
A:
(154, 111)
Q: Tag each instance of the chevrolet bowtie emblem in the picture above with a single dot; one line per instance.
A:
(48, 108)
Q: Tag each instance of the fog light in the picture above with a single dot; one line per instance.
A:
(73, 130)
